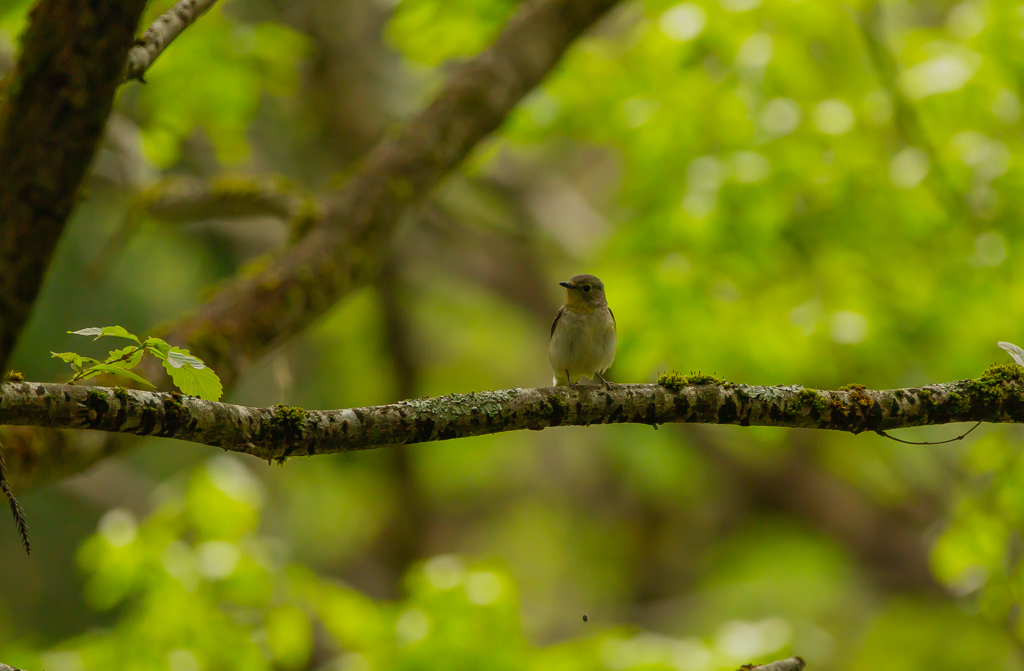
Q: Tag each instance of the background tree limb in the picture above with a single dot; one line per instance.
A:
(281, 431)
(57, 103)
(253, 314)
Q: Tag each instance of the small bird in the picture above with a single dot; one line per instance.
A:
(583, 334)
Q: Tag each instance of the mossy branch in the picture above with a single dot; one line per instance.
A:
(181, 200)
(279, 432)
(790, 664)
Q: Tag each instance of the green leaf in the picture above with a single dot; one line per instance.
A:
(192, 376)
(100, 331)
(178, 358)
(132, 357)
(116, 370)
(157, 347)
(73, 358)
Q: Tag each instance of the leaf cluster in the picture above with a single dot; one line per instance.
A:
(189, 373)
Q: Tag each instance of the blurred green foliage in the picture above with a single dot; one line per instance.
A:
(198, 588)
(773, 191)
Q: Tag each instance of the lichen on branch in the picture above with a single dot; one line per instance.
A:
(280, 432)
(164, 30)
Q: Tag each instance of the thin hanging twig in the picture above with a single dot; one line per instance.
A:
(927, 442)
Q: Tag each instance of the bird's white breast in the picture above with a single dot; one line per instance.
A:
(583, 343)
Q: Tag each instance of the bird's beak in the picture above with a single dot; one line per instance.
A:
(567, 285)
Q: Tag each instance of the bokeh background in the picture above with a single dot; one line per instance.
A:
(775, 191)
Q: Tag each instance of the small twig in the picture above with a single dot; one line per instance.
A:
(16, 509)
(168, 26)
(926, 442)
(790, 664)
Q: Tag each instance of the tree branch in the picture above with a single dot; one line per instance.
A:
(185, 200)
(790, 664)
(58, 101)
(159, 36)
(280, 431)
(253, 314)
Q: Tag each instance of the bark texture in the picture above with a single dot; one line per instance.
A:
(51, 120)
(253, 314)
(280, 432)
(163, 31)
(789, 664)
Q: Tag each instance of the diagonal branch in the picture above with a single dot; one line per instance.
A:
(789, 664)
(159, 36)
(186, 200)
(280, 432)
(253, 314)
(58, 101)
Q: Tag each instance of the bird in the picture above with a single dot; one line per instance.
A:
(582, 340)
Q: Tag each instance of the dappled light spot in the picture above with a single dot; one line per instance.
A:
(444, 572)
(705, 173)
(180, 563)
(182, 659)
(736, 6)
(699, 204)
(988, 158)
(232, 478)
(755, 52)
(1006, 106)
(118, 527)
(641, 650)
(683, 22)
(412, 626)
(62, 661)
(781, 116)
(690, 654)
(750, 167)
(966, 20)
(638, 111)
(739, 640)
(989, 249)
(849, 328)
(217, 559)
(833, 117)
(878, 107)
(483, 588)
(938, 75)
(908, 168)
(983, 201)
(805, 316)
(542, 107)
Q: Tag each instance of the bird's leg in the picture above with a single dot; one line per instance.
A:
(607, 384)
(569, 380)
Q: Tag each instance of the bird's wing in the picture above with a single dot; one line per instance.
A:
(613, 317)
(558, 315)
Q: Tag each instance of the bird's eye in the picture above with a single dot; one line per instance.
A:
(586, 288)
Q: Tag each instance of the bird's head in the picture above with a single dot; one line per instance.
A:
(584, 293)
